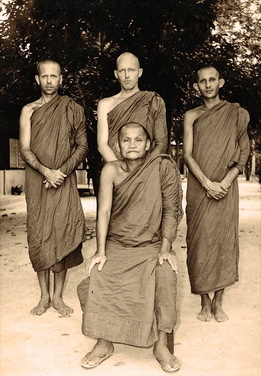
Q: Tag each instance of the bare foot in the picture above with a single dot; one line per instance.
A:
(61, 307)
(218, 312)
(42, 306)
(168, 362)
(205, 313)
(101, 351)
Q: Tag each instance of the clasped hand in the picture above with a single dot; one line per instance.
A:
(170, 257)
(216, 190)
(53, 178)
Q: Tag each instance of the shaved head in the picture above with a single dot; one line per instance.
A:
(127, 56)
(132, 125)
(47, 61)
(201, 70)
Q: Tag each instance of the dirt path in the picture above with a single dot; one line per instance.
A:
(53, 346)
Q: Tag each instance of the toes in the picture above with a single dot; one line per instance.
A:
(38, 311)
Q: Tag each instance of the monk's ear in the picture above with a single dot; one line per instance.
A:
(221, 82)
(140, 72)
(116, 74)
(37, 79)
(147, 145)
(195, 85)
(61, 79)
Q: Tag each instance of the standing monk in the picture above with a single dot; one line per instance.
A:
(53, 143)
(216, 147)
(130, 104)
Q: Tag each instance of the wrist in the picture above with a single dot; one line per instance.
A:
(205, 182)
(100, 253)
(44, 170)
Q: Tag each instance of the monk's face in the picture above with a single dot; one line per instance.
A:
(128, 71)
(209, 83)
(133, 143)
(49, 78)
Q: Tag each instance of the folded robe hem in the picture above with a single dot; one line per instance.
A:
(216, 288)
(67, 254)
(110, 339)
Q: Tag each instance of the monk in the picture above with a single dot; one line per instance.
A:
(130, 104)
(216, 147)
(130, 295)
(53, 143)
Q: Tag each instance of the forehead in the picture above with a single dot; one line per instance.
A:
(128, 61)
(207, 72)
(50, 68)
(134, 131)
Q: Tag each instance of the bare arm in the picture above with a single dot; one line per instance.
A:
(104, 214)
(53, 177)
(103, 132)
(213, 189)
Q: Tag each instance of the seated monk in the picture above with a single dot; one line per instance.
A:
(130, 294)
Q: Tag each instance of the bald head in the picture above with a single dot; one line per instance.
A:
(127, 57)
(49, 62)
(201, 71)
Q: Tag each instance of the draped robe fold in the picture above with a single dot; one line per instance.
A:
(220, 142)
(144, 107)
(133, 296)
(55, 219)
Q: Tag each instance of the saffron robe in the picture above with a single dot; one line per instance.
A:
(220, 142)
(133, 296)
(55, 219)
(144, 107)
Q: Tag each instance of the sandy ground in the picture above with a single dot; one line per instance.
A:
(50, 345)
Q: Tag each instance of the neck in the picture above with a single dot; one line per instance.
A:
(209, 103)
(127, 93)
(132, 165)
(46, 98)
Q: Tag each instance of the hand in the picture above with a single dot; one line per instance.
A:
(97, 259)
(46, 185)
(54, 177)
(216, 190)
(170, 257)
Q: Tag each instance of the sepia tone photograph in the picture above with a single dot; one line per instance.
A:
(130, 172)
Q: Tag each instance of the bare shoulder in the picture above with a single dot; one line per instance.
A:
(29, 108)
(110, 169)
(191, 115)
(106, 103)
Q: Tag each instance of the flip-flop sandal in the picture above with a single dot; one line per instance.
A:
(101, 359)
(167, 365)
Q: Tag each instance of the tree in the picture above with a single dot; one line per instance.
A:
(172, 38)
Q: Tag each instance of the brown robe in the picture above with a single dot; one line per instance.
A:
(220, 142)
(144, 107)
(55, 219)
(133, 296)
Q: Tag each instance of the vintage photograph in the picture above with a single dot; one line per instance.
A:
(130, 182)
